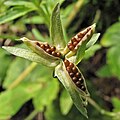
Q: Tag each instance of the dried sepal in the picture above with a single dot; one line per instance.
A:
(43, 49)
(78, 39)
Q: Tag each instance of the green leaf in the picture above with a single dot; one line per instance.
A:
(116, 104)
(27, 54)
(5, 61)
(47, 94)
(17, 66)
(65, 102)
(91, 51)
(111, 36)
(113, 60)
(56, 28)
(12, 100)
(14, 13)
(93, 40)
(65, 79)
(20, 3)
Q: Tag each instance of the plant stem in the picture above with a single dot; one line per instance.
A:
(72, 15)
(23, 75)
(32, 115)
(101, 110)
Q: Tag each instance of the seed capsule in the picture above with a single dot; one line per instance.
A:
(85, 34)
(75, 75)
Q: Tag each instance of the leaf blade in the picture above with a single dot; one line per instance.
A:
(31, 56)
(56, 30)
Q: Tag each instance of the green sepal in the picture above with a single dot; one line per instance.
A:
(56, 30)
(76, 94)
(27, 54)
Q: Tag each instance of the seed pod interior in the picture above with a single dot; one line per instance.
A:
(75, 75)
(80, 37)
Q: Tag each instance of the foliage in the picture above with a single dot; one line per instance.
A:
(22, 80)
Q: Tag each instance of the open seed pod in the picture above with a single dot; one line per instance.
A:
(78, 39)
(76, 76)
(43, 49)
(74, 82)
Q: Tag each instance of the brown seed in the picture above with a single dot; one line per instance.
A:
(42, 46)
(71, 47)
(68, 69)
(74, 69)
(48, 51)
(54, 53)
(38, 44)
(75, 43)
(71, 65)
(47, 45)
(71, 74)
(74, 79)
(73, 40)
(77, 74)
(78, 84)
(66, 62)
(58, 54)
(81, 80)
(80, 35)
(83, 88)
(53, 48)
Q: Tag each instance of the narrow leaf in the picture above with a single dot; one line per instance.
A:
(14, 13)
(56, 28)
(20, 3)
(31, 56)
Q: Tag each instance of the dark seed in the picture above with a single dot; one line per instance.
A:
(38, 44)
(47, 46)
(83, 88)
(71, 65)
(53, 48)
(75, 43)
(80, 35)
(77, 75)
(74, 69)
(58, 54)
(48, 51)
(71, 47)
(66, 62)
(74, 79)
(78, 84)
(69, 69)
(42, 46)
(73, 40)
(81, 80)
(71, 74)
(54, 53)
